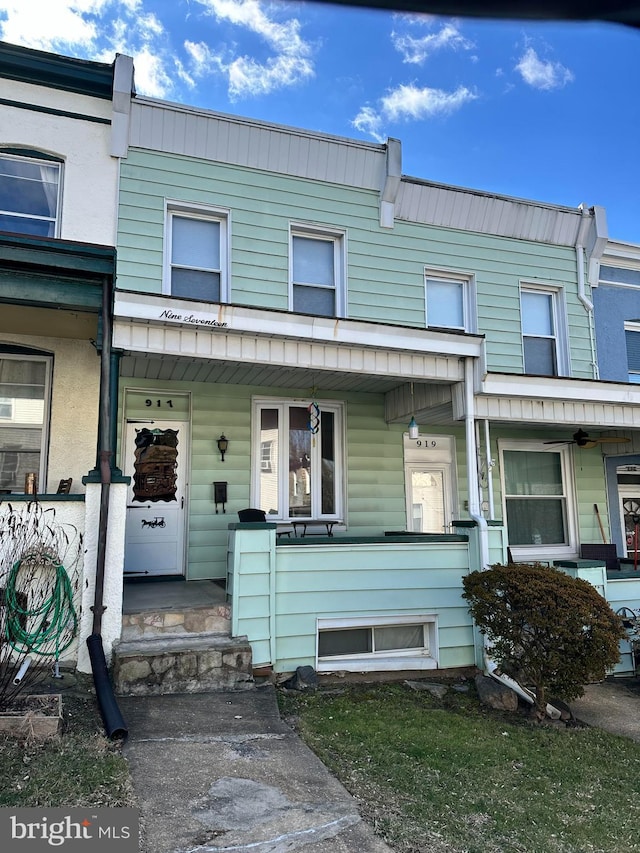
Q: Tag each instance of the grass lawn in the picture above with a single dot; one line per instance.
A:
(80, 767)
(445, 775)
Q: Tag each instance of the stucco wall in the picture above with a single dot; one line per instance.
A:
(74, 407)
(613, 306)
(90, 177)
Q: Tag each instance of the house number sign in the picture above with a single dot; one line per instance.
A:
(159, 404)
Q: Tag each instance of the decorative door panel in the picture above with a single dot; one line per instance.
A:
(156, 516)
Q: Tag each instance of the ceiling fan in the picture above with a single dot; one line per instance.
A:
(584, 440)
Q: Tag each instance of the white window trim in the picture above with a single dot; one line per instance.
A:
(336, 406)
(559, 308)
(469, 297)
(206, 213)
(47, 161)
(569, 550)
(381, 661)
(632, 327)
(46, 415)
(339, 238)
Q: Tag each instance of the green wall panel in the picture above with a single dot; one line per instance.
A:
(385, 266)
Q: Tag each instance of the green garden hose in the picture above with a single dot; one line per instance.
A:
(42, 628)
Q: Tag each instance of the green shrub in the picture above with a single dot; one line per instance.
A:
(551, 632)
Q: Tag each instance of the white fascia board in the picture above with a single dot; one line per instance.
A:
(153, 309)
(513, 385)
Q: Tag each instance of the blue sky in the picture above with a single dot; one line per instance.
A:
(536, 110)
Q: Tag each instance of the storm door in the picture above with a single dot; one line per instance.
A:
(156, 513)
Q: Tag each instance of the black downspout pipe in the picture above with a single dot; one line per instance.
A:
(114, 723)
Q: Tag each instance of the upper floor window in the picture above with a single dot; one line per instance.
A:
(29, 195)
(543, 338)
(24, 406)
(632, 337)
(297, 474)
(450, 301)
(317, 271)
(196, 253)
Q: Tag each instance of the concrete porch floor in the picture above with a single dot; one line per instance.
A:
(171, 595)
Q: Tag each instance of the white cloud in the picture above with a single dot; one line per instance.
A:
(410, 102)
(47, 24)
(416, 50)
(247, 75)
(542, 74)
(370, 122)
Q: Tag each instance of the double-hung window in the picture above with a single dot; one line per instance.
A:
(538, 499)
(317, 272)
(632, 339)
(543, 331)
(24, 405)
(297, 473)
(450, 301)
(196, 253)
(29, 194)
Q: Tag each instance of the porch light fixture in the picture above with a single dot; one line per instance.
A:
(413, 426)
(223, 444)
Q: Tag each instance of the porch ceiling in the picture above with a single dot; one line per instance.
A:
(139, 366)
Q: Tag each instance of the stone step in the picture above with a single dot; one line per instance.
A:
(182, 663)
(148, 623)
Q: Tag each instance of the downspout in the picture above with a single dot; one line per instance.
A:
(593, 220)
(112, 718)
(490, 666)
(472, 463)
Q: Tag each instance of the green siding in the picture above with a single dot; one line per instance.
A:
(374, 469)
(384, 579)
(385, 266)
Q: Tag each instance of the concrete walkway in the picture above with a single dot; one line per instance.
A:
(221, 772)
(612, 705)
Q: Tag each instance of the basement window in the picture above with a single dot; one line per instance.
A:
(377, 643)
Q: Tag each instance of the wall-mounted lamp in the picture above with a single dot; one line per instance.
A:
(223, 444)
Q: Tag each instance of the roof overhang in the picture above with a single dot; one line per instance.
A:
(160, 327)
(512, 398)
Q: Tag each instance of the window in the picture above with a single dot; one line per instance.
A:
(538, 502)
(543, 338)
(197, 251)
(450, 301)
(297, 473)
(632, 338)
(317, 273)
(376, 643)
(29, 194)
(24, 400)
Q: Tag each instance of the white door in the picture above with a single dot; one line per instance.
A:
(428, 490)
(155, 459)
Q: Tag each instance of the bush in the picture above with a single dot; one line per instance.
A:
(551, 632)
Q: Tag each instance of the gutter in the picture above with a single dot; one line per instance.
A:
(112, 718)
